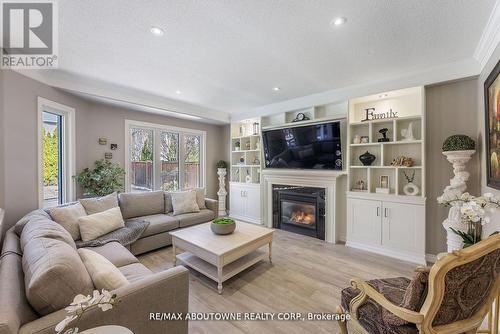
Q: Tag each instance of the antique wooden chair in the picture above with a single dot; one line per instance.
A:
(458, 293)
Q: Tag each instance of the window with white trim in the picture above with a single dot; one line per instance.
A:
(164, 158)
(56, 159)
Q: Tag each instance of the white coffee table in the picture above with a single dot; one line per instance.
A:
(220, 257)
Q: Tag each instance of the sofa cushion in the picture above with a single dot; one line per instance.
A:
(134, 272)
(53, 275)
(98, 224)
(33, 215)
(45, 228)
(14, 307)
(116, 253)
(158, 224)
(142, 204)
(200, 198)
(168, 202)
(102, 272)
(67, 216)
(188, 219)
(184, 202)
(99, 204)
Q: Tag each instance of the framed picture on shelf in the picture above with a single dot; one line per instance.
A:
(383, 187)
(492, 127)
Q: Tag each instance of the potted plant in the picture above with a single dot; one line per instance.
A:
(237, 145)
(223, 225)
(104, 179)
(472, 215)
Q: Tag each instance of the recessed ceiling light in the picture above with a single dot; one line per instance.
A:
(382, 96)
(276, 89)
(157, 31)
(178, 92)
(338, 21)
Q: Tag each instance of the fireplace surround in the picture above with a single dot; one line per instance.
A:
(300, 210)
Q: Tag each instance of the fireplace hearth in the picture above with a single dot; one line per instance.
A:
(300, 210)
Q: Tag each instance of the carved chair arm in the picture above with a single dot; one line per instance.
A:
(367, 291)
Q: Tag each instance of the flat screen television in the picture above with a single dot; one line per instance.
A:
(315, 146)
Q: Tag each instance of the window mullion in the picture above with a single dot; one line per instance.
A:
(182, 159)
(157, 159)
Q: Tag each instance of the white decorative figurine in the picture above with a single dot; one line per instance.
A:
(408, 133)
(222, 193)
(458, 149)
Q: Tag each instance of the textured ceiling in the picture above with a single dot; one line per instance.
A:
(228, 55)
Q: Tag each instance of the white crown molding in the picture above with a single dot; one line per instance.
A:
(490, 37)
(121, 95)
(448, 72)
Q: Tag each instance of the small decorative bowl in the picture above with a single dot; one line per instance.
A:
(222, 226)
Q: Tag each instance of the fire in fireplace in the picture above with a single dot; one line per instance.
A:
(299, 210)
(301, 217)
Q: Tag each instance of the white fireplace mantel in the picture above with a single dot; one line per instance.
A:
(304, 178)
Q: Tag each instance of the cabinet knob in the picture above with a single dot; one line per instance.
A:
(378, 211)
(385, 212)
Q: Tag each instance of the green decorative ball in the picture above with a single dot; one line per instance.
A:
(459, 143)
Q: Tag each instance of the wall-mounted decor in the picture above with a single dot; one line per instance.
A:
(384, 138)
(108, 155)
(114, 147)
(103, 141)
(367, 158)
(492, 127)
(370, 115)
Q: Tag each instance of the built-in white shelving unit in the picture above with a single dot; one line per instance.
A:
(245, 169)
(390, 223)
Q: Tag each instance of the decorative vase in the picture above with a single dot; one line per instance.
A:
(222, 193)
(456, 188)
(222, 229)
(367, 158)
(411, 189)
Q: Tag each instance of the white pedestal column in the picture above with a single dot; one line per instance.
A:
(222, 193)
(456, 188)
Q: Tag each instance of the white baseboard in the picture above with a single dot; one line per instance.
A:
(342, 238)
(413, 258)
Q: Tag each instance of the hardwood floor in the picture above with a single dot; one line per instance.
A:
(306, 275)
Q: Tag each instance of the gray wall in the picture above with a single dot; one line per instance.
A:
(451, 108)
(92, 121)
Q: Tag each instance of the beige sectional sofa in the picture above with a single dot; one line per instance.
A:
(156, 208)
(41, 272)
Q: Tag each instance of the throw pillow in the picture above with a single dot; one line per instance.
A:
(103, 273)
(99, 204)
(413, 299)
(98, 224)
(184, 202)
(67, 216)
(53, 275)
(168, 202)
(200, 198)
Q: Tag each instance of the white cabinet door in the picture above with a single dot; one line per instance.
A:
(252, 195)
(364, 221)
(403, 227)
(237, 201)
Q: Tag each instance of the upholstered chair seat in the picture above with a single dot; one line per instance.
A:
(371, 314)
